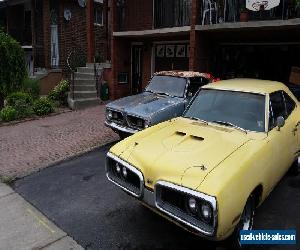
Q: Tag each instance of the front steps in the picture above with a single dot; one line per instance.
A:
(85, 93)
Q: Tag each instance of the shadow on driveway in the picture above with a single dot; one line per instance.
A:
(77, 197)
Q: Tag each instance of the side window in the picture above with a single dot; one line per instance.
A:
(277, 108)
(289, 103)
(196, 83)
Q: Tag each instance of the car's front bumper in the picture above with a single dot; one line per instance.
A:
(116, 127)
(150, 199)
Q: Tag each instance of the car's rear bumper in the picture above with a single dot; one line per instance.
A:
(116, 127)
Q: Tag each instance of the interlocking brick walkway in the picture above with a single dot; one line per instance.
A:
(32, 145)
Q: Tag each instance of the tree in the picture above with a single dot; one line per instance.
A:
(12, 66)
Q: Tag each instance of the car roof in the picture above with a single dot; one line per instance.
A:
(248, 85)
(184, 74)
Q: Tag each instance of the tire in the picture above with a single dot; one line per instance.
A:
(123, 135)
(245, 223)
(295, 169)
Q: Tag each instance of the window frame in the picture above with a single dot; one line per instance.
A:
(98, 6)
(286, 116)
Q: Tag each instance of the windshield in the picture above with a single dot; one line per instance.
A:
(229, 108)
(168, 85)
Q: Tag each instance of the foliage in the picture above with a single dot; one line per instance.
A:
(60, 92)
(21, 102)
(12, 66)
(8, 114)
(31, 87)
(43, 106)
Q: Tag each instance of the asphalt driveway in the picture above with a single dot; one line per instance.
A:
(77, 197)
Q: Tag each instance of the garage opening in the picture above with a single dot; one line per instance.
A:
(270, 61)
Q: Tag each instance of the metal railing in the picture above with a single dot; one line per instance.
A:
(174, 13)
(72, 71)
(98, 75)
(224, 11)
(75, 59)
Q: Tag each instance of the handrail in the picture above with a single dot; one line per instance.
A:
(72, 85)
(98, 74)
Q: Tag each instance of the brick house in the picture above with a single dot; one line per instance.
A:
(49, 30)
(201, 35)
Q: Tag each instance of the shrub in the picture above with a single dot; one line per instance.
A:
(8, 114)
(21, 102)
(60, 92)
(43, 106)
(12, 66)
(31, 87)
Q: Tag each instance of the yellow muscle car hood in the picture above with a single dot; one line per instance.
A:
(182, 151)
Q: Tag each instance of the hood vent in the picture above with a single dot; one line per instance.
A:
(198, 138)
(180, 133)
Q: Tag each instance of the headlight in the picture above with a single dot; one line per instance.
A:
(118, 168)
(206, 212)
(109, 115)
(124, 172)
(192, 205)
(146, 124)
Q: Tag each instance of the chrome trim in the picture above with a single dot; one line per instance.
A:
(116, 126)
(131, 168)
(210, 199)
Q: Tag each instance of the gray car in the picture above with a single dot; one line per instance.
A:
(166, 97)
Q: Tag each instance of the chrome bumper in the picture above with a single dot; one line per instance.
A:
(118, 127)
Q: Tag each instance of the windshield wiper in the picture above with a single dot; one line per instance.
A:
(197, 119)
(230, 125)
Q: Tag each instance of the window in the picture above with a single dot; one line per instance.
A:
(98, 13)
(289, 103)
(277, 108)
(196, 83)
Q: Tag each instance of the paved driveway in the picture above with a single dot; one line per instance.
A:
(29, 146)
(78, 198)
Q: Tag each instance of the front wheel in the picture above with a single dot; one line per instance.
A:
(246, 222)
(123, 135)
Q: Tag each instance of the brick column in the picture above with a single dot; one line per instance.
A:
(114, 46)
(90, 31)
(47, 32)
(193, 62)
(33, 31)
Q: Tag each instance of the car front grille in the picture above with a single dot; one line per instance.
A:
(135, 122)
(174, 202)
(132, 182)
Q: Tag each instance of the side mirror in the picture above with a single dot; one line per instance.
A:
(280, 122)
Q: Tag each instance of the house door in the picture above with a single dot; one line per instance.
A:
(136, 83)
(54, 40)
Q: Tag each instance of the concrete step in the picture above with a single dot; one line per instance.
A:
(86, 70)
(83, 103)
(84, 76)
(85, 82)
(100, 65)
(85, 94)
(84, 87)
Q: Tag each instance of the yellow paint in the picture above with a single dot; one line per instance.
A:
(235, 163)
(40, 220)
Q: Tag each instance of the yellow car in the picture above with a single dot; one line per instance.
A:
(208, 170)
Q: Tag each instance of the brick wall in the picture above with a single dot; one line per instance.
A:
(71, 34)
(138, 14)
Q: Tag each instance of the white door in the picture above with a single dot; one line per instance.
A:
(54, 46)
